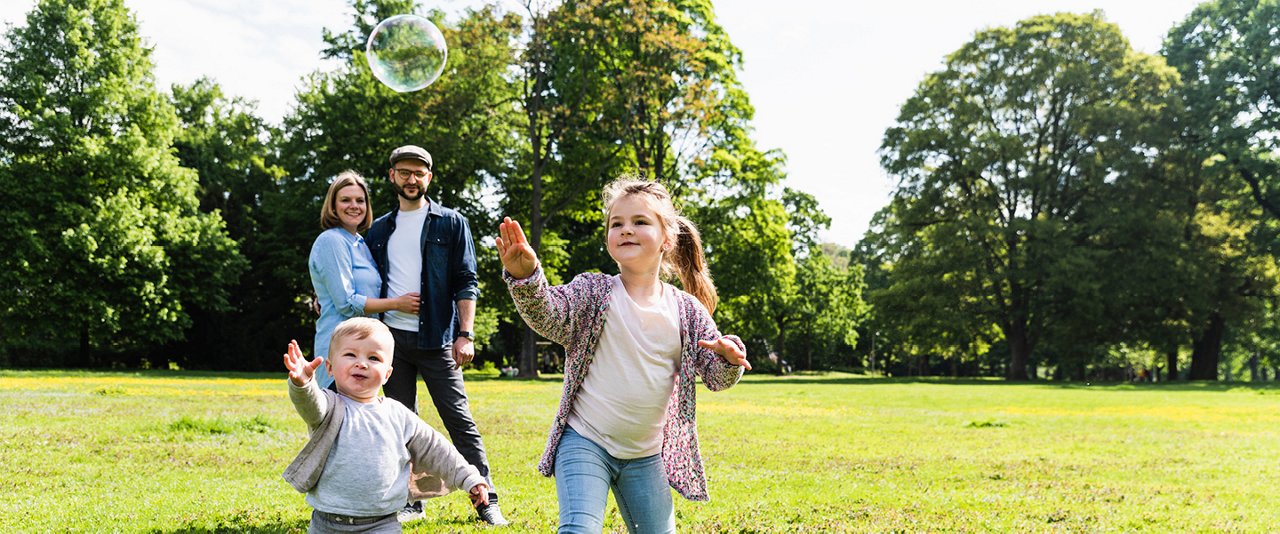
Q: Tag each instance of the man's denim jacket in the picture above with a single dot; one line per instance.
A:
(448, 270)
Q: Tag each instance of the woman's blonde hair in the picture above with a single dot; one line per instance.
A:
(329, 211)
(686, 259)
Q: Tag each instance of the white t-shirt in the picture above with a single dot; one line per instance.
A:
(622, 403)
(404, 265)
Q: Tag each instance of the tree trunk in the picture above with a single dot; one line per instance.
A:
(85, 352)
(1207, 350)
(528, 353)
(1171, 361)
(782, 341)
(1254, 374)
(528, 339)
(1019, 351)
(528, 367)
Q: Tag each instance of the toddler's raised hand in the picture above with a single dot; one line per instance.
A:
(728, 350)
(300, 370)
(518, 257)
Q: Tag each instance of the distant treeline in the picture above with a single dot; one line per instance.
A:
(159, 228)
(1065, 207)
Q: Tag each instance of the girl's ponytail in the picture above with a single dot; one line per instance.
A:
(691, 265)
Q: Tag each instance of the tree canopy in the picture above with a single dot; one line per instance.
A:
(1002, 159)
(1064, 205)
(109, 250)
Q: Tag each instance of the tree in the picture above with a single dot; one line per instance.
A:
(830, 307)
(613, 86)
(347, 119)
(1229, 243)
(228, 145)
(926, 290)
(108, 252)
(466, 119)
(560, 110)
(999, 153)
(1228, 53)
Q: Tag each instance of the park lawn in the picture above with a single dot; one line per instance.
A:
(168, 451)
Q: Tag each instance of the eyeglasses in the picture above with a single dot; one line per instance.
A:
(404, 174)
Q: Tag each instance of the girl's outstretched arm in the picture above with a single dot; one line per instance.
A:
(518, 258)
(728, 350)
(719, 359)
(548, 310)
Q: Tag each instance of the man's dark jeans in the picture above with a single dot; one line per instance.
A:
(448, 393)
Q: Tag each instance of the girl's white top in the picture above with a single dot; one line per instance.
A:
(623, 400)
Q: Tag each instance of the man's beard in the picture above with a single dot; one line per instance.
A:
(414, 198)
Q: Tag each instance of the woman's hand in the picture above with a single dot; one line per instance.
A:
(407, 303)
(518, 258)
(300, 370)
(728, 350)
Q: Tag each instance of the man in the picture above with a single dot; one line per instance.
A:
(424, 247)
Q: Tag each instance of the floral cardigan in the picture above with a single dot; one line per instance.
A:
(573, 316)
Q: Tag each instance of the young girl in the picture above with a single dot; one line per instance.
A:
(628, 424)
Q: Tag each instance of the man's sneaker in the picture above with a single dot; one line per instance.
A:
(490, 513)
(411, 512)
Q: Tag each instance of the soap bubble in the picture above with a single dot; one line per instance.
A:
(406, 52)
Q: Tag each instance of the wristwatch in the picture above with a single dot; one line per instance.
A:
(467, 334)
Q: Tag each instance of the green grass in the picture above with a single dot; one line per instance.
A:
(168, 451)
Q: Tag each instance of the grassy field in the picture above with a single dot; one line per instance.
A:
(195, 452)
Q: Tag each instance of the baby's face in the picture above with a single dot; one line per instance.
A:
(361, 366)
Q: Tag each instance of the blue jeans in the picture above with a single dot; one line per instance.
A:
(585, 473)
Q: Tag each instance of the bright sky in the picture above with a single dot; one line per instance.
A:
(826, 76)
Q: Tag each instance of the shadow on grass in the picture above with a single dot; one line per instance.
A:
(471, 375)
(299, 526)
(820, 379)
(273, 522)
(237, 525)
(816, 378)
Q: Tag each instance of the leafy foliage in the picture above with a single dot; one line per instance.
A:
(228, 145)
(109, 253)
(1003, 158)
(1228, 54)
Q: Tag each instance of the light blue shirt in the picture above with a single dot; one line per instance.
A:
(344, 277)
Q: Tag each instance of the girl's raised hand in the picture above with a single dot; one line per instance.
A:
(517, 256)
(300, 370)
(728, 350)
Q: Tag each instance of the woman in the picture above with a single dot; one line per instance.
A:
(345, 279)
